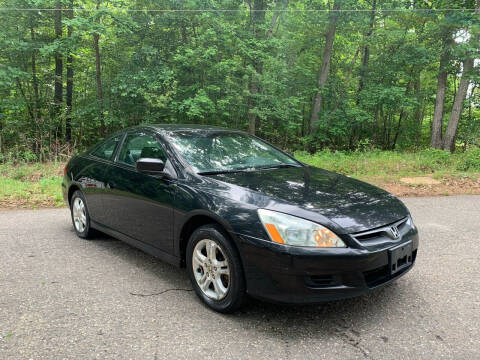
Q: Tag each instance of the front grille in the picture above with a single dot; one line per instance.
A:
(383, 234)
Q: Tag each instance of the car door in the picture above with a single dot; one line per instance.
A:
(92, 179)
(137, 204)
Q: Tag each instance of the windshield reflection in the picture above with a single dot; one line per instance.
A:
(217, 152)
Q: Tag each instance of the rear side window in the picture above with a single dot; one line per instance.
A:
(107, 149)
(140, 145)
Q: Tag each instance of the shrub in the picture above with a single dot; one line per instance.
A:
(435, 159)
(470, 161)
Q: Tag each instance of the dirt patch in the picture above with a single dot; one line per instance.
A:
(420, 180)
(447, 185)
(15, 203)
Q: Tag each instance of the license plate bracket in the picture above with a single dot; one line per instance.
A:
(400, 257)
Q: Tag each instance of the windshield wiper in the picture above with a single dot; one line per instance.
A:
(215, 172)
(248, 169)
(278, 166)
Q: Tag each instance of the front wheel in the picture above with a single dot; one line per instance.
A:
(80, 217)
(215, 270)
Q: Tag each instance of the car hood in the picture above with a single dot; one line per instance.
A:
(352, 204)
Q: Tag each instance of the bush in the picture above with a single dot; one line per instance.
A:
(470, 161)
(434, 159)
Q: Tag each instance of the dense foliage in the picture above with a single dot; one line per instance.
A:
(306, 75)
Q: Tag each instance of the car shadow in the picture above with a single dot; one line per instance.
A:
(342, 319)
(172, 277)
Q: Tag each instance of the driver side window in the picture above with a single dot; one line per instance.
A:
(106, 150)
(140, 145)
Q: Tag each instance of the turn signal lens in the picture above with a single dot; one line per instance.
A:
(274, 234)
(291, 230)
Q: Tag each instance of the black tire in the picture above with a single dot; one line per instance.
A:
(236, 289)
(87, 231)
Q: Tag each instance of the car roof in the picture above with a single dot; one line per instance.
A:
(183, 127)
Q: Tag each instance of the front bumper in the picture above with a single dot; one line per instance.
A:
(307, 275)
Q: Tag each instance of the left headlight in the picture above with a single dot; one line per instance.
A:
(291, 230)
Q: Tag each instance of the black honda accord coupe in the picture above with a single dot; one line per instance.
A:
(241, 215)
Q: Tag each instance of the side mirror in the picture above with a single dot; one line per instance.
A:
(150, 166)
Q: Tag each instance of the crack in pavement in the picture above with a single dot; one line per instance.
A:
(158, 293)
(350, 340)
(354, 341)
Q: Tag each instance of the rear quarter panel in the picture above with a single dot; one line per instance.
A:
(88, 174)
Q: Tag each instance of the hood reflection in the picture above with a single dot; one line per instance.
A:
(350, 203)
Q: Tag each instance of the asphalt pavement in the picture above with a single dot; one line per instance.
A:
(64, 297)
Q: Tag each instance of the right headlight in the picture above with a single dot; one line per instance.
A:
(291, 230)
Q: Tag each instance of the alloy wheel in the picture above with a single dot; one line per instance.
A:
(211, 269)
(79, 215)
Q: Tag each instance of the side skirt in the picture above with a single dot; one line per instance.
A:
(162, 255)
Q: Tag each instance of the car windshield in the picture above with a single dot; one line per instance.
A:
(227, 151)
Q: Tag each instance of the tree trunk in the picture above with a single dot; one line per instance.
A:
(323, 74)
(36, 101)
(272, 25)
(366, 51)
(452, 127)
(346, 80)
(98, 74)
(184, 34)
(470, 101)
(257, 20)
(34, 79)
(69, 89)
(437, 124)
(455, 114)
(58, 87)
(403, 115)
(276, 14)
(350, 69)
(418, 108)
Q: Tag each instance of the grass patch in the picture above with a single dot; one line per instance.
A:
(31, 186)
(392, 164)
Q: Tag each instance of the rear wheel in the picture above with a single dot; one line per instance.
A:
(215, 269)
(80, 217)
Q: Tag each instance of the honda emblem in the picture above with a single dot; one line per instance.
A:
(395, 232)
